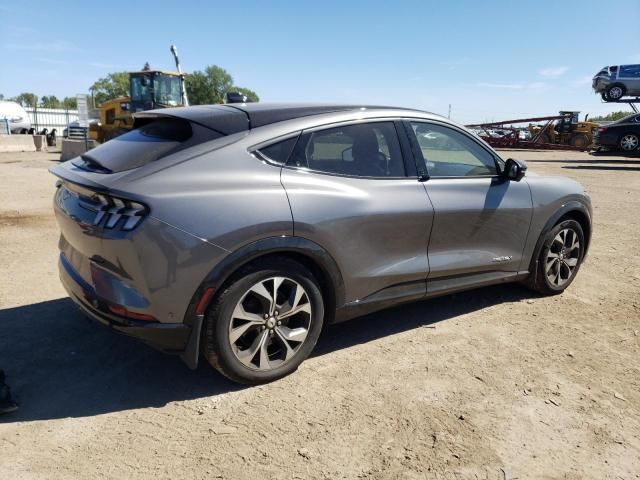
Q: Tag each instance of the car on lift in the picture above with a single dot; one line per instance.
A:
(237, 232)
(615, 82)
(623, 135)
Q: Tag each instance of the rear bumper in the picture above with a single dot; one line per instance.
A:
(605, 140)
(167, 337)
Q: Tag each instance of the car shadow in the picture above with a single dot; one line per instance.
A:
(60, 364)
(615, 161)
(602, 167)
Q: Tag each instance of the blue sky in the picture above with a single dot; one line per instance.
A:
(489, 60)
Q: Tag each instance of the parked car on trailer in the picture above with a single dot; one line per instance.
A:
(236, 232)
(615, 82)
(623, 134)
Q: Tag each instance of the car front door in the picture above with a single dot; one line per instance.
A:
(352, 191)
(481, 220)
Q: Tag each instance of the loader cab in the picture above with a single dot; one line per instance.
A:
(151, 89)
(568, 123)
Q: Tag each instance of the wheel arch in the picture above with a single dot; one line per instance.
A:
(306, 252)
(573, 210)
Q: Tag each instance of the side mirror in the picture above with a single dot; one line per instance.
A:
(514, 169)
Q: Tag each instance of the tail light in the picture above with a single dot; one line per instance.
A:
(115, 212)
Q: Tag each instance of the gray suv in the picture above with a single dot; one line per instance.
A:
(236, 232)
(615, 82)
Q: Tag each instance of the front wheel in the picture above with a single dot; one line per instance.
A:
(560, 258)
(615, 92)
(265, 323)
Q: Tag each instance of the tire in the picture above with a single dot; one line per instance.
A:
(629, 142)
(615, 92)
(236, 346)
(580, 140)
(556, 255)
(604, 96)
(544, 138)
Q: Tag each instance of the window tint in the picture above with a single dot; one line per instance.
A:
(629, 71)
(364, 150)
(279, 152)
(449, 153)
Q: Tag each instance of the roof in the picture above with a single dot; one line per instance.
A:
(239, 117)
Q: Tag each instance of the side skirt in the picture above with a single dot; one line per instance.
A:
(415, 291)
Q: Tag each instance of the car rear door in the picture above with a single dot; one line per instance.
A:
(354, 191)
(481, 220)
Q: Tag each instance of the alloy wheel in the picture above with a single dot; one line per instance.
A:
(615, 93)
(562, 257)
(629, 143)
(270, 323)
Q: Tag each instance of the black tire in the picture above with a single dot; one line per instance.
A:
(604, 96)
(539, 281)
(615, 92)
(216, 344)
(627, 141)
(544, 138)
(580, 140)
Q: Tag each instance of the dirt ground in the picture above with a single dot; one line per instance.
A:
(492, 384)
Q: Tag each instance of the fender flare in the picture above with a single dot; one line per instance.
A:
(571, 206)
(267, 246)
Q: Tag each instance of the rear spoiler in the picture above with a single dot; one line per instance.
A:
(67, 172)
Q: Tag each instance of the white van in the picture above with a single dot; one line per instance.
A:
(18, 119)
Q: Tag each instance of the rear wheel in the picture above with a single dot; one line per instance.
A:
(629, 142)
(265, 323)
(560, 258)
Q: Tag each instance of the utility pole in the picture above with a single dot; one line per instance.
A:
(449, 115)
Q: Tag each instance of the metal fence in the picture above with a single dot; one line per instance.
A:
(51, 118)
(4, 127)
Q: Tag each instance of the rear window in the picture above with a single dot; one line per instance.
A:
(151, 141)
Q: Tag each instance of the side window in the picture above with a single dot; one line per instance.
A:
(278, 152)
(449, 153)
(362, 150)
(629, 71)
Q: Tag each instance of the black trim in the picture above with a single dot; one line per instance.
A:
(569, 207)
(405, 147)
(285, 244)
(385, 298)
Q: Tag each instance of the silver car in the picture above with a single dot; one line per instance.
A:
(237, 232)
(615, 82)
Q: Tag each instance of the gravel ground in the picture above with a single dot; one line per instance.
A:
(495, 383)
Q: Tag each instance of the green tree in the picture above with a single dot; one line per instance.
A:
(611, 117)
(27, 99)
(114, 85)
(70, 102)
(50, 101)
(210, 86)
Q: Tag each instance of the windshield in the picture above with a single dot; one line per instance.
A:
(167, 89)
(164, 90)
